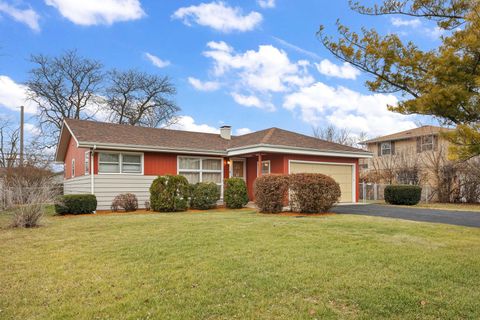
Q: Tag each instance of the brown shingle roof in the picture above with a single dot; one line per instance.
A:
(117, 134)
(280, 137)
(407, 134)
(110, 133)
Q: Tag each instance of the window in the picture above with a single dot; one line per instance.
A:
(131, 163)
(73, 168)
(385, 148)
(87, 162)
(119, 163)
(266, 167)
(200, 169)
(427, 143)
(109, 163)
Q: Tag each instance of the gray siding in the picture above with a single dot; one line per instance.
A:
(78, 185)
(107, 186)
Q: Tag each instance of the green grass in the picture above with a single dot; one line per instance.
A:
(238, 264)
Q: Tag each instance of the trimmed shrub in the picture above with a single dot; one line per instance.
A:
(402, 194)
(270, 192)
(204, 195)
(169, 193)
(236, 195)
(125, 201)
(76, 204)
(313, 192)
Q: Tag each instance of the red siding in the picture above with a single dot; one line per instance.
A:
(251, 175)
(74, 153)
(156, 164)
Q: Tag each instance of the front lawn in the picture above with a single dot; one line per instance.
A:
(238, 264)
(441, 206)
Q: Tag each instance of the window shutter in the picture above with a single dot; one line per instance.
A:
(392, 145)
(379, 149)
(435, 143)
(419, 144)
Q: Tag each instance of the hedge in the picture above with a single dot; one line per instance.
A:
(403, 194)
(204, 195)
(76, 204)
(169, 193)
(271, 192)
(313, 192)
(236, 195)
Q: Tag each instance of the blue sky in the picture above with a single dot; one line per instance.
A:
(251, 64)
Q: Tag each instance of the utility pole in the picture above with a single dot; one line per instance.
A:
(21, 134)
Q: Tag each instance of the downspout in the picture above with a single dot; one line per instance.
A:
(92, 170)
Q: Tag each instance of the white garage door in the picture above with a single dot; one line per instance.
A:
(343, 174)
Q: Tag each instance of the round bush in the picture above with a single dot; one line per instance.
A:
(76, 204)
(169, 193)
(313, 192)
(271, 192)
(236, 195)
(125, 201)
(403, 194)
(204, 195)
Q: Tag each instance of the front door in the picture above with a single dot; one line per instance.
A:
(238, 169)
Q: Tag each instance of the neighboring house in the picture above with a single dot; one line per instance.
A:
(406, 156)
(127, 158)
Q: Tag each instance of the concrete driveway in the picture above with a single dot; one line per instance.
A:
(459, 218)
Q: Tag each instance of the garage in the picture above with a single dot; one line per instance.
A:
(341, 173)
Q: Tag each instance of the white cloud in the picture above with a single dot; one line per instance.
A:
(32, 129)
(156, 61)
(266, 70)
(25, 16)
(399, 22)
(297, 48)
(242, 131)
(203, 85)
(345, 71)
(13, 95)
(266, 3)
(252, 101)
(219, 16)
(187, 123)
(346, 108)
(435, 32)
(95, 12)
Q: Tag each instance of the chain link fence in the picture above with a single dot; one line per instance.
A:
(373, 192)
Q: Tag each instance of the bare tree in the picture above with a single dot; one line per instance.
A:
(140, 99)
(67, 86)
(9, 137)
(339, 135)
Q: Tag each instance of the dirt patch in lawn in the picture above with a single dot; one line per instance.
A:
(143, 211)
(299, 214)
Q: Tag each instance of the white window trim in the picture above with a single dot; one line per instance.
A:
(354, 173)
(389, 149)
(87, 165)
(120, 161)
(200, 171)
(269, 166)
(72, 169)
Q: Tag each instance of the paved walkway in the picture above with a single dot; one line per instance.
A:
(459, 218)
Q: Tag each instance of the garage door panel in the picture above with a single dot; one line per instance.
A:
(342, 174)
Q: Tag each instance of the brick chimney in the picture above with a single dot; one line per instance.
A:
(226, 132)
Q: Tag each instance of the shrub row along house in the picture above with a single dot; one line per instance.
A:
(108, 159)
